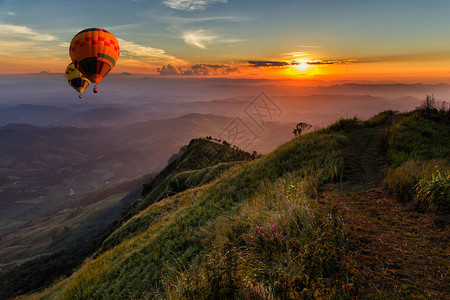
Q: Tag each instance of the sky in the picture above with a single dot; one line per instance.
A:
(298, 39)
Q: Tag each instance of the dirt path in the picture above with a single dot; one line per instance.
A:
(400, 253)
(364, 157)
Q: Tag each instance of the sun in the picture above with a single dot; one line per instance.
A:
(300, 64)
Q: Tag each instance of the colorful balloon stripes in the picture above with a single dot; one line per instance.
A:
(94, 52)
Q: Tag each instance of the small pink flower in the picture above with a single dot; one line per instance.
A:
(271, 238)
(290, 250)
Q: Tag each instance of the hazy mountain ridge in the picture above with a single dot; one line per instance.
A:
(194, 158)
(213, 223)
(67, 163)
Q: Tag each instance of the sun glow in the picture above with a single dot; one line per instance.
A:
(300, 64)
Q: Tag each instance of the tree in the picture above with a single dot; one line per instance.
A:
(301, 127)
(429, 104)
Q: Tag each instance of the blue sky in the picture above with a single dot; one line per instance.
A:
(185, 32)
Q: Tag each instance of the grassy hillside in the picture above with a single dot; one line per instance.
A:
(276, 227)
(196, 164)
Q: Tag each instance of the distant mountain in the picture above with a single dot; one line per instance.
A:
(56, 167)
(42, 115)
(87, 218)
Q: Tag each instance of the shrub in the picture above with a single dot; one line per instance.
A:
(433, 192)
(430, 104)
(400, 181)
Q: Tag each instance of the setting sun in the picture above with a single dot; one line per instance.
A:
(300, 64)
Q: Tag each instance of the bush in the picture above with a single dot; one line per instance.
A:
(433, 192)
(400, 181)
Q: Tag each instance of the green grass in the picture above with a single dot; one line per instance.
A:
(433, 191)
(419, 136)
(175, 227)
(194, 167)
(416, 146)
(254, 229)
(280, 244)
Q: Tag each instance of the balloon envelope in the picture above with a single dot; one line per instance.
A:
(77, 80)
(94, 52)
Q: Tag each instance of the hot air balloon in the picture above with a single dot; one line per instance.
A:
(77, 80)
(94, 52)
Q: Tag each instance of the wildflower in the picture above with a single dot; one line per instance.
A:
(271, 238)
(290, 250)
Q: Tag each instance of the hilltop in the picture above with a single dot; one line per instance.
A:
(355, 210)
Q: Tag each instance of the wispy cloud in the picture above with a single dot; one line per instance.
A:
(9, 13)
(132, 50)
(202, 38)
(282, 64)
(198, 69)
(267, 63)
(295, 54)
(199, 38)
(26, 32)
(191, 5)
(308, 46)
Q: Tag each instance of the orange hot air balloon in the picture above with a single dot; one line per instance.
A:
(94, 52)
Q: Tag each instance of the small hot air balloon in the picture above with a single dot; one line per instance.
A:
(94, 52)
(77, 80)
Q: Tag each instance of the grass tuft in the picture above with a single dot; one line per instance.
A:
(433, 191)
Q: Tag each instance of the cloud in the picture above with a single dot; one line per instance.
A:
(308, 46)
(198, 69)
(10, 29)
(319, 62)
(9, 13)
(199, 38)
(132, 50)
(264, 63)
(191, 5)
